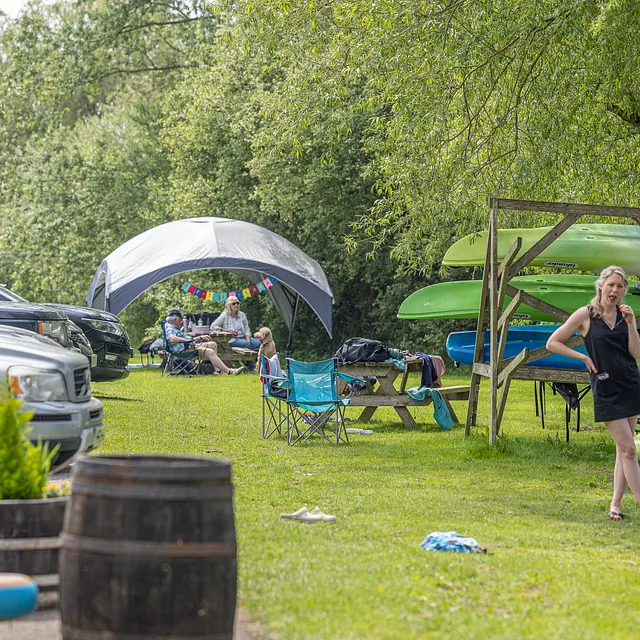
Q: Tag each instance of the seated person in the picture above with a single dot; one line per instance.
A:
(179, 341)
(234, 321)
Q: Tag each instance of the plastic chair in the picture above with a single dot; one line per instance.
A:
(274, 392)
(184, 363)
(313, 403)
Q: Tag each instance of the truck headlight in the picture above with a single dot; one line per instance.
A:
(55, 329)
(105, 326)
(36, 385)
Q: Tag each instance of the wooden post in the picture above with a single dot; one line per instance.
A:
(478, 353)
(493, 324)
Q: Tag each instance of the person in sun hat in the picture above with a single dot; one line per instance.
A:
(613, 345)
(179, 341)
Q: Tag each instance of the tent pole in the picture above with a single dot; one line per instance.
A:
(293, 320)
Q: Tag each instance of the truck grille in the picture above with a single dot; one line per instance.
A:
(51, 417)
(82, 382)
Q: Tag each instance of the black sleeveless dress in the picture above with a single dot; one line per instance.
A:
(616, 386)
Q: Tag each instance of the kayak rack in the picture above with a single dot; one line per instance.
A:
(495, 286)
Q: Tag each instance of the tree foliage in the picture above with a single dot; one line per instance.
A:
(370, 134)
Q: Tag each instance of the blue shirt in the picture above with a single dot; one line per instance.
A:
(174, 332)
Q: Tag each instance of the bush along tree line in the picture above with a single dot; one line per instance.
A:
(370, 136)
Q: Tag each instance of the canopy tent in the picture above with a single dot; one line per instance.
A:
(212, 243)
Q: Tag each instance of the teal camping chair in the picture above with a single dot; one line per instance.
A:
(313, 403)
(274, 392)
(186, 363)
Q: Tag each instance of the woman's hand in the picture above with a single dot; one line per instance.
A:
(589, 362)
(627, 314)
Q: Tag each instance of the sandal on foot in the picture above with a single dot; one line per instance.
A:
(615, 515)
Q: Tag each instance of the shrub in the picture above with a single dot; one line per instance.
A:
(24, 467)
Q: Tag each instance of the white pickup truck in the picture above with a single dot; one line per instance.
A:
(55, 384)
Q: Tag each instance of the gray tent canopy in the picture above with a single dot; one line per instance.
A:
(212, 243)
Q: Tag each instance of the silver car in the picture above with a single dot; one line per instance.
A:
(55, 384)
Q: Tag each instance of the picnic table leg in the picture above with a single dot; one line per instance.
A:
(454, 417)
(386, 384)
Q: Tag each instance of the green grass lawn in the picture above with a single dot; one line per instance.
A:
(555, 568)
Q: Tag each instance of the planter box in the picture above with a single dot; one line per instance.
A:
(30, 538)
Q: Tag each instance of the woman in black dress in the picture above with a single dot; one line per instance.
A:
(612, 342)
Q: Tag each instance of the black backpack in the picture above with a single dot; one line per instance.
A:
(362, 350)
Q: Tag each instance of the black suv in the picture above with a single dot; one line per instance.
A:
(53, 323)
(105, 333)
(108, 338)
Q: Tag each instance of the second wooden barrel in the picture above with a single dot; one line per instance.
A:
(148, 549)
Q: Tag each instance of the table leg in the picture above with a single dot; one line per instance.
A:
(382, 389)
(454, 417)
(386, 384)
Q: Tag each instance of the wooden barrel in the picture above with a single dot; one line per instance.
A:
(30, 538)
(148, 550)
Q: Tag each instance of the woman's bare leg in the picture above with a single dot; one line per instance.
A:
(627, 470)
(619, 479)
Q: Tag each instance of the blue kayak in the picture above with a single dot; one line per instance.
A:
(461, 344)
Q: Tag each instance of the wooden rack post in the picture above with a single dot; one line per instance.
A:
(495, 285)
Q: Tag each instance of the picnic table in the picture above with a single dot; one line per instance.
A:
(388, 394)
(230, 355)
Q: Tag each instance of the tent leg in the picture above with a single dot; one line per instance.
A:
(293, 321)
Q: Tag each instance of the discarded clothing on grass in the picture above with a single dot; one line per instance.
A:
(440, 410)
(451, 541)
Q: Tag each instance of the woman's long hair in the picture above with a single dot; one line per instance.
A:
(227, 304)
(597, 308)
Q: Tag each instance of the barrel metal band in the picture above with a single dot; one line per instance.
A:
(29, 544)
(142, 548)
(72, 633)
(118, 490)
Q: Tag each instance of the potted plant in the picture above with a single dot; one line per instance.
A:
(31, 512)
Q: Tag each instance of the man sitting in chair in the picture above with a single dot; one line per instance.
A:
(179, 341)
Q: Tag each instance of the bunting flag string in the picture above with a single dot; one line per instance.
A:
(221, 296)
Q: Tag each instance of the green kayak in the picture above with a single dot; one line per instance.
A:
(462, 299)
(585, 247)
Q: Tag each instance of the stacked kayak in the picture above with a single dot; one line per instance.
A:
(461, 345)
(462, 299)
(584, 247)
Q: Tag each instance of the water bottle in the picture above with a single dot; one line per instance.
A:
(200, 321)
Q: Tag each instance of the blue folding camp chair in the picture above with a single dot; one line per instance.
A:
(313, 403)
(185, 363)
(274, 391)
